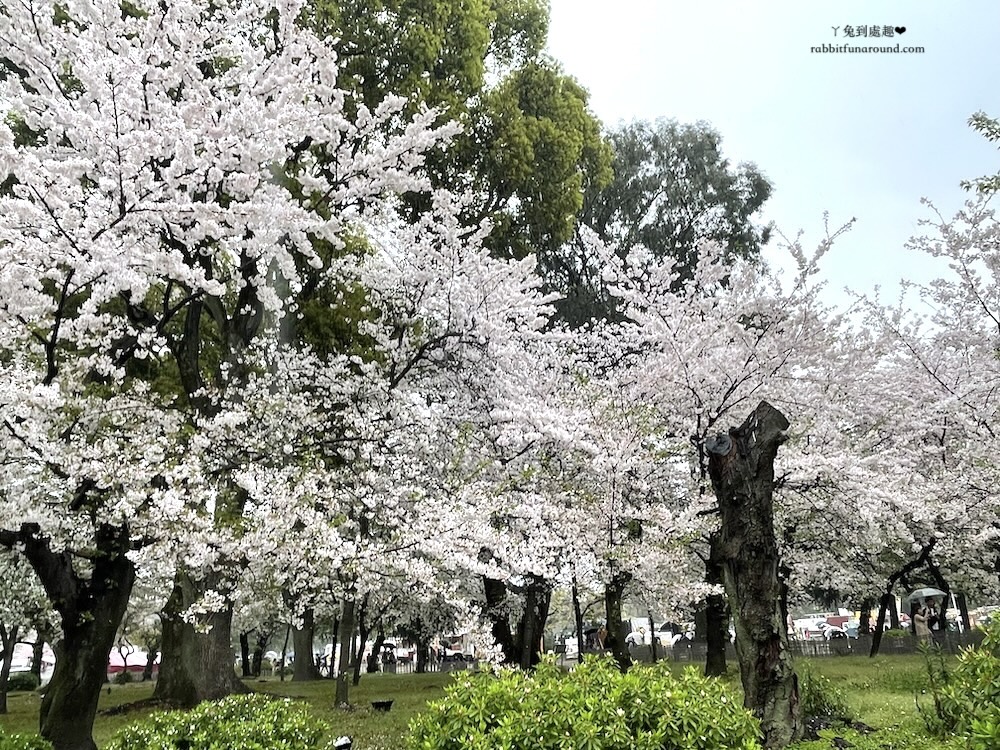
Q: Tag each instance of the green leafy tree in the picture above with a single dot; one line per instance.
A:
(530, 146)
(672, 190)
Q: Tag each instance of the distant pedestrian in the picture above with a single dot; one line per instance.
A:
(920, 625)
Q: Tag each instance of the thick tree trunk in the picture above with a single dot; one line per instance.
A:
(614, 592)
(195, 666)
(373, 657)
(147, 670)
(716, 613)
(537, 596)
(741, 466)
(344, 637)
(9, 639)
(90, 610)
(305, 668)
(496, 613)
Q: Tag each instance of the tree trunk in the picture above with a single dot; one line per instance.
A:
(741, 466)
(883, 607)
(423, 645)
(305, 669)
(90, 610)
(496, 612)
(363, 632)
(43, 634)
(373, 657)
(614, 592)
(537, 596)
(716, 613)
(963, 608)
(578, 619)
(9, 639)
(283, 667)
(245, 667)
(195, 666)
(147, 671)
(865, 626)
(344, 637)
(654, 638)
(893, 613)
(259, 647)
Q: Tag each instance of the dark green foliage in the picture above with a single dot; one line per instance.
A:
(123, 678)
(529, 147)
(594, 707)
(22, 681)
(536, 143)
(819, 697)
(22, 742)
(672, 189)
(966, 698)
(247, 722)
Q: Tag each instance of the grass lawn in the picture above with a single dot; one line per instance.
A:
(880, 691)
(370, 729)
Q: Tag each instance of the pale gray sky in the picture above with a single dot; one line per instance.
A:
(858, 135)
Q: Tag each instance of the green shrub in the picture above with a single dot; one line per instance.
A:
(22, 681)
(819, 697)
(593, 707)
(122, 678)
(22, 742)
(896, 633)
(966, 699)
(243, 722)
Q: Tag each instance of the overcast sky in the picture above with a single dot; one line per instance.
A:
(858, 135)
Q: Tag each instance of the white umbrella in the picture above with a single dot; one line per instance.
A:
(925, 593)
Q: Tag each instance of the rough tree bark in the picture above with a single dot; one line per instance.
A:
(195, 666)
(304, 669)
(344, 636)
(245, 667)
(614, 592)
(716, 613)
(496, 612)
(537, 597)
(90, 608)
(9, 638)
(741, 466)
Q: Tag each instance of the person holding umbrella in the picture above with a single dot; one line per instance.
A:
(921, 628)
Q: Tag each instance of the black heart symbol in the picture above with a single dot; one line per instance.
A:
(900, 29)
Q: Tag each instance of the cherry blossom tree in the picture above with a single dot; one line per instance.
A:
(942, 341)
(23, 605)
(165, 173)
